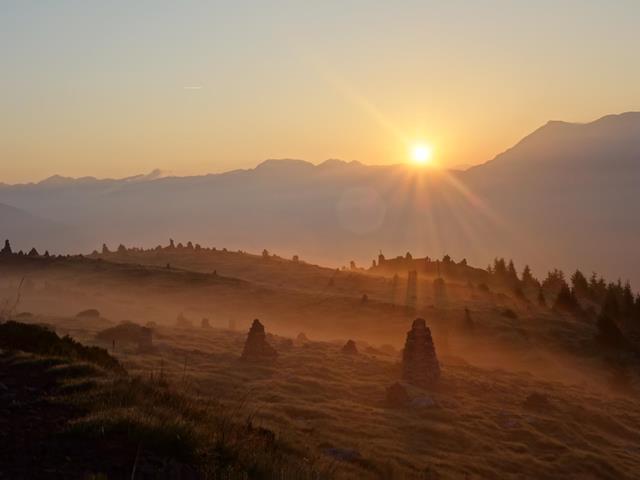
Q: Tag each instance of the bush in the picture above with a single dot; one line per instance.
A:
(42, 341)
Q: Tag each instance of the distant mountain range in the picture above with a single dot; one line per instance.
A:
(565, 196)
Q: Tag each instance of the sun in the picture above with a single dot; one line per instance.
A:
(421, 154)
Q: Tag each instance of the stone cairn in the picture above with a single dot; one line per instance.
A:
(256, 348)
(350, 348)
(420, 366)
(7, 248)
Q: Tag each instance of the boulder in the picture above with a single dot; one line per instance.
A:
(397, 396)
(128, 333)
(350, 348)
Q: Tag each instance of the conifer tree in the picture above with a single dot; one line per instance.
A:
(527, 277)
(541, 300)
(580, 284)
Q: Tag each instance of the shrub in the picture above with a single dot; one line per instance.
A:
(42, 341)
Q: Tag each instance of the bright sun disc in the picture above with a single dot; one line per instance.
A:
(421, 154)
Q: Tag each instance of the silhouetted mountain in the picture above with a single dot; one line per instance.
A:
(26, 231)
(566, 195)
(572, 190)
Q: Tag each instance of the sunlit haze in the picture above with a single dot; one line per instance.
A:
(112, 89)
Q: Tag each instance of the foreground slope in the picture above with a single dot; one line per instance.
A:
(477, 423)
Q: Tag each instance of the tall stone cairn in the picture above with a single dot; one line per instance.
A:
(420, 366)
(256, 348)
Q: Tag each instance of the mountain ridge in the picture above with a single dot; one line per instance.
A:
(569, 200)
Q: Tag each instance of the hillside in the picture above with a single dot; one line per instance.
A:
(62, 416)
(525, 389)
(477, 423)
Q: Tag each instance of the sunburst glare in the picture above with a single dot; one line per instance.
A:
(422, 154)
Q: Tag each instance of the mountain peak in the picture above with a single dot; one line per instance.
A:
(282, 163)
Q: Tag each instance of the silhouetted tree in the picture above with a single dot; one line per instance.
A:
(541, 300)
(527, 277)
(566, 300)
(627, 303)
(265, 253)
(554, 282)
(190, 245)
(105, 249)
(609, 334)
(33, 252)
(512, 275)
(352, 265)
(597, 288)
(580, 284)
(610, 306)
(122, 249)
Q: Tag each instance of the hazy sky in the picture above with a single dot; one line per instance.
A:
(118, 88)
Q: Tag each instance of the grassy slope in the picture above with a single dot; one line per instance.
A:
(78, 420)
(317, 398)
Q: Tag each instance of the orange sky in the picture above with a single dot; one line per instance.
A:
(115, 90)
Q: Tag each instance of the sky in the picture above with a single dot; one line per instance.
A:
(112, 89)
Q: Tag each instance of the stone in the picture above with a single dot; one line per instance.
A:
(350, 348)
(128, 333)
(423, 402)
(397, 396)
(256, 347)
(420, 366)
